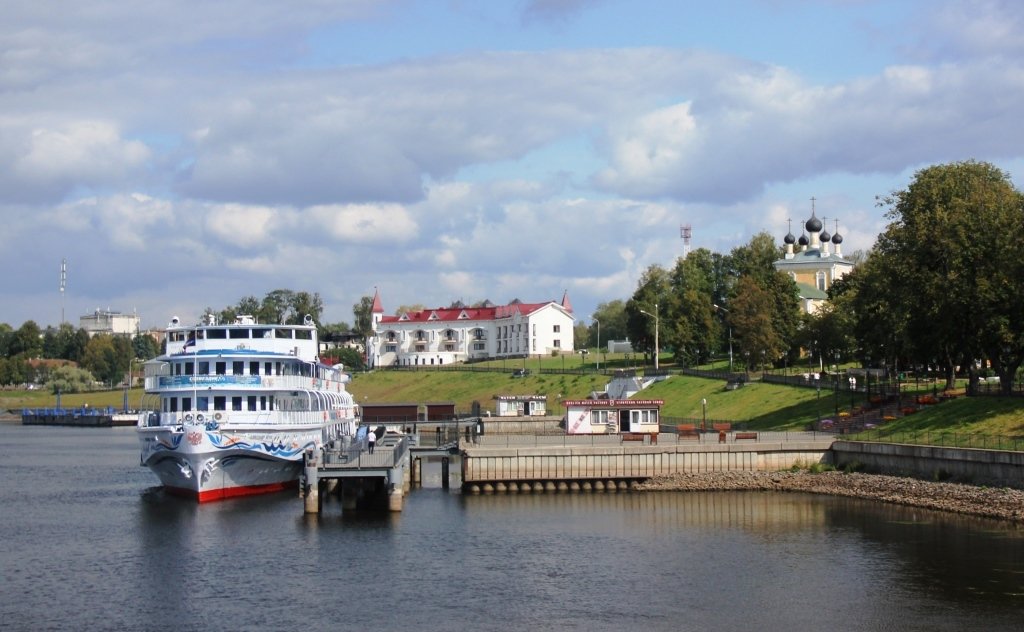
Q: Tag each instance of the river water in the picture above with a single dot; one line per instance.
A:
(87, 542)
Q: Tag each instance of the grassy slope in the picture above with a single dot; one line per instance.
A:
(761, 406)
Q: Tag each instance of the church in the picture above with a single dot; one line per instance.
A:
(814, 261)
(458, 333)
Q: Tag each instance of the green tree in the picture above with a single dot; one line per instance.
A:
(948, 271)
(144, 347)
(107, 357)
(751, 315)
(612, 316)
(26, 341)
(363, 315)
(652, 294)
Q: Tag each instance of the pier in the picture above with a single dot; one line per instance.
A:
(612, 462)
(382, 478)
(508, 463)
(84, 417)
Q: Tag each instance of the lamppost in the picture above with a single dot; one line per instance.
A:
(597, 360)
(656, 349)
(719, 307)
(128, 383)
(704, 415)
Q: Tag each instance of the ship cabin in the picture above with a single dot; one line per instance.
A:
(612, 416)
(243, 372)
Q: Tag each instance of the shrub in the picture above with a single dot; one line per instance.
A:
(853, 466)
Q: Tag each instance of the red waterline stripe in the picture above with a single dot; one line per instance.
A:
(212, 495)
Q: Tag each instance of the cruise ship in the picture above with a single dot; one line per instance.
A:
(232, 408)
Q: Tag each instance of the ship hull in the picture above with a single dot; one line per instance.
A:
(208, 465)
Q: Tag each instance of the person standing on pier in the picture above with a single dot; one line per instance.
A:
(371, 440)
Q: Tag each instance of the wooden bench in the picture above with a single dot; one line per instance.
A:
(745, 435)
(722, 427)
(639, 436)
(688, 431)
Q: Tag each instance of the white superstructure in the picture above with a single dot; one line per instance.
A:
(235, 406)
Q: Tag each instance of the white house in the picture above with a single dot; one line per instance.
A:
(457, 334)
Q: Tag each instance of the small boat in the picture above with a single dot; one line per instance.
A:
(237, 406)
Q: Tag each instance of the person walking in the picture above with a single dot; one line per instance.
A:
(371, 440)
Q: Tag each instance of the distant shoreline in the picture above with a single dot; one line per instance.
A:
(989, 502)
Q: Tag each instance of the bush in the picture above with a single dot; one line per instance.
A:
(69, 379)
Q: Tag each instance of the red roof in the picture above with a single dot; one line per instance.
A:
(378, 307)
(452, 314)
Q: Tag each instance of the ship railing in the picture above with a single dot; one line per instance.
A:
(355, 454)
(216, 417)
(269, 382)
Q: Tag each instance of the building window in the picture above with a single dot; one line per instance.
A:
(558, 328)
(821, 280)
(478, 346)
(390, 348)
(558, 344)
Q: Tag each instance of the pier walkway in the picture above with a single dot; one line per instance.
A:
(359, 475)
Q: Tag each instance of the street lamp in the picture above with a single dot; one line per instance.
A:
(656, 349)
(719, 307)
(597, 360)
(128, 383)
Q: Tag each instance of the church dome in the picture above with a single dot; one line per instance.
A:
(813, 225)
(837, 238)
(789, 238)
(803, 241)
(825, 237)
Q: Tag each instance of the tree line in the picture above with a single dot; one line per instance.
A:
(941, 291)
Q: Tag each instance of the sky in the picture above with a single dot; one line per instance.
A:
(184, 155)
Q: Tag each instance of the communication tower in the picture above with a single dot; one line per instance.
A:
(63, 284)
(685, 231)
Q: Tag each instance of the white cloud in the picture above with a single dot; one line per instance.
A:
(46, 162)
(364, 223)
(242, 225)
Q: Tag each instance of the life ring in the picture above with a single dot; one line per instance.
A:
(188, 417)
(217, 416)
(199, 417)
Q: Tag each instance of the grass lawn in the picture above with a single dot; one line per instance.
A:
(759, 406)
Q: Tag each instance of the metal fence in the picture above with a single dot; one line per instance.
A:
(941, 439)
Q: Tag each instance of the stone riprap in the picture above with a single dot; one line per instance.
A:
(992, 502)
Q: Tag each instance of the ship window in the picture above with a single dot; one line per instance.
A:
(252, 402)
(304, 334)
(237, 368)
(174, 405)
(186, 404)
(254, 368)
(268, 368)
(204, 368)
(188, 368)
(282, 333)
(271, 402)
(216, 334)
(263, 402)
(262, 333)
(221, 368)
(238, 333)
(219, 402)
(236, 403)
(202, 403)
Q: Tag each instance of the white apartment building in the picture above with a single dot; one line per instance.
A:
(109, 322)
(457, 334)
